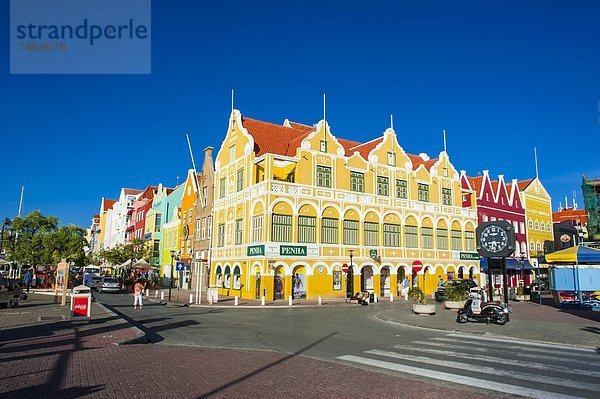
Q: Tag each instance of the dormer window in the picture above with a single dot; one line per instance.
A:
(323, 146)
(445, 172)
(391, 158)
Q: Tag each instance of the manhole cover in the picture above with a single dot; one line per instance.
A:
(51, 318)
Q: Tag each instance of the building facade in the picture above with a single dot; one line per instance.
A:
(120, 216)
(538, 214)
(105, 206)
(170, 227)
(153, 225)
(295, 206)
(186, 227)
(203, 220)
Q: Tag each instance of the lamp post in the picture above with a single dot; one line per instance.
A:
(350, 274)
(5, 222)
(173, 256)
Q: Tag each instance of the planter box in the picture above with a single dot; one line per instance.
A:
(423, 309)
(522, 298)
(454, 305)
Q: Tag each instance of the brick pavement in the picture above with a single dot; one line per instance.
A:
(59, 360)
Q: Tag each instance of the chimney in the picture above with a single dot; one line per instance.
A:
(208, 152)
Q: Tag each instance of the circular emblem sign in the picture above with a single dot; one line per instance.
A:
(565, 238)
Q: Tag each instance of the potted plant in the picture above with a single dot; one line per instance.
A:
(521, 295)
(420, 305)
(456, 297)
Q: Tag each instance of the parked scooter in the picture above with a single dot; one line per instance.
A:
(477, 310)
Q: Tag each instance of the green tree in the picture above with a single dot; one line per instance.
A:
(38, 240)
(120, 253)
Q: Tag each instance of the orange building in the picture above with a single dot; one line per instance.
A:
(186, 226)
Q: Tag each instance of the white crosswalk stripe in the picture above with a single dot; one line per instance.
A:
(503, 349)
(459, 379)
(562, 352)
(523, 368)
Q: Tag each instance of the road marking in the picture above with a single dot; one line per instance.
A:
(458, 379)
(521, 342)
(489, 370)
(593, 355)
(501, 349)
(497, 360)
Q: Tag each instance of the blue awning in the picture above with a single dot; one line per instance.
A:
(511, 264)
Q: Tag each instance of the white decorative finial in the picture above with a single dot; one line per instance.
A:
(392, 121)
(444, 140)
(232, 93)
(536, 161)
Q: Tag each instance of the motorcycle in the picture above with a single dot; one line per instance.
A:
(475, 310)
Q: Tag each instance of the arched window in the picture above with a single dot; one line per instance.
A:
(532, 246)
(549, 226)
(524, 248)
(530, 224)
(543, 226)
(227, 277)
(219, 276)
(538, 246)
(537, 225)
(237, 280)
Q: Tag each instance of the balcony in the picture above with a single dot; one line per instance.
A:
(296, 190)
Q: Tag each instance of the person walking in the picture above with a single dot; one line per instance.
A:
(138, 288)
(28, 280)
(405, 287)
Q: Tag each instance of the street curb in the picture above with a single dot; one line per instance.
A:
(483, 334)
(139, 339)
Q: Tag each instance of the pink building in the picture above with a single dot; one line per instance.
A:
(137, 223)
(497, 200)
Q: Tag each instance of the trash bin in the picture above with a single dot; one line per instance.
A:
(81, 303)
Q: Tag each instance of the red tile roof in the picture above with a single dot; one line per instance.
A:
(476, 183)
(522, 184)
(108, 203)
(417, 161)
(365, 148)
(131, 191)
(269, 137)
(570, 214)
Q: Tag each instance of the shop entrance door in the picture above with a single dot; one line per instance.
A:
(350, 283)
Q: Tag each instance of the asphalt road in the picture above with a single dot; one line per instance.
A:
(355, 336)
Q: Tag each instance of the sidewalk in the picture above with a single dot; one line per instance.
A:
(528, 320)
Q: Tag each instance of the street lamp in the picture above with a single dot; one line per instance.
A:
(174, 254)
(5, 222)
(349, 283)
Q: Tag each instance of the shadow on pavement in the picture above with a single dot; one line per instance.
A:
(268, 366)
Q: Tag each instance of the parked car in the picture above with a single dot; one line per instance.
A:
(96, 283)
(440, 293)
(109, 284)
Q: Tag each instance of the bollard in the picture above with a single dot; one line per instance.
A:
(320, 300)
(162, 295)
(374, 298)
(391, 297)
(236, 300)
(290, 300)
(263, 301)
(156, 294)
(191, 298)
(147, 292)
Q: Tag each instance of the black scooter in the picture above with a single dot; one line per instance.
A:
(490, 312)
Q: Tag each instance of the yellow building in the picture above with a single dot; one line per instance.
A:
(295, 205)
(186, 225)
(105, 205)
(538, 217)
(170, 209)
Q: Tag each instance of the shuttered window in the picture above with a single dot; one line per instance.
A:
(456, 240)
(323, 176)
(371, 234)
(282, 228)
(411, 236)
(329, 231)
(442, 238)
(257, 228)
(391, 235)
(401, 189)
(307, 230)
(427, 237)
(350, 232)
(383, 186)
(357, 182)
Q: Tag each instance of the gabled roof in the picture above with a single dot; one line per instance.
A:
(108, 203)
(476, 183)
(365, 148)
(149, 192)
(418, 161)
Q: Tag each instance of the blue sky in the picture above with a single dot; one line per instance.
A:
(500, 77)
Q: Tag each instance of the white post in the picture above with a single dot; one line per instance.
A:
(391, 297)
(263, 300)
(162, 295)
(156, 294)
(147, 292)
(191, 298)
(320, 300)
(374, 298)
(290, 300)
(236, 300)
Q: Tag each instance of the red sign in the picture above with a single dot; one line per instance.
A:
(80, 307)
(417, 266)
(345, 268)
